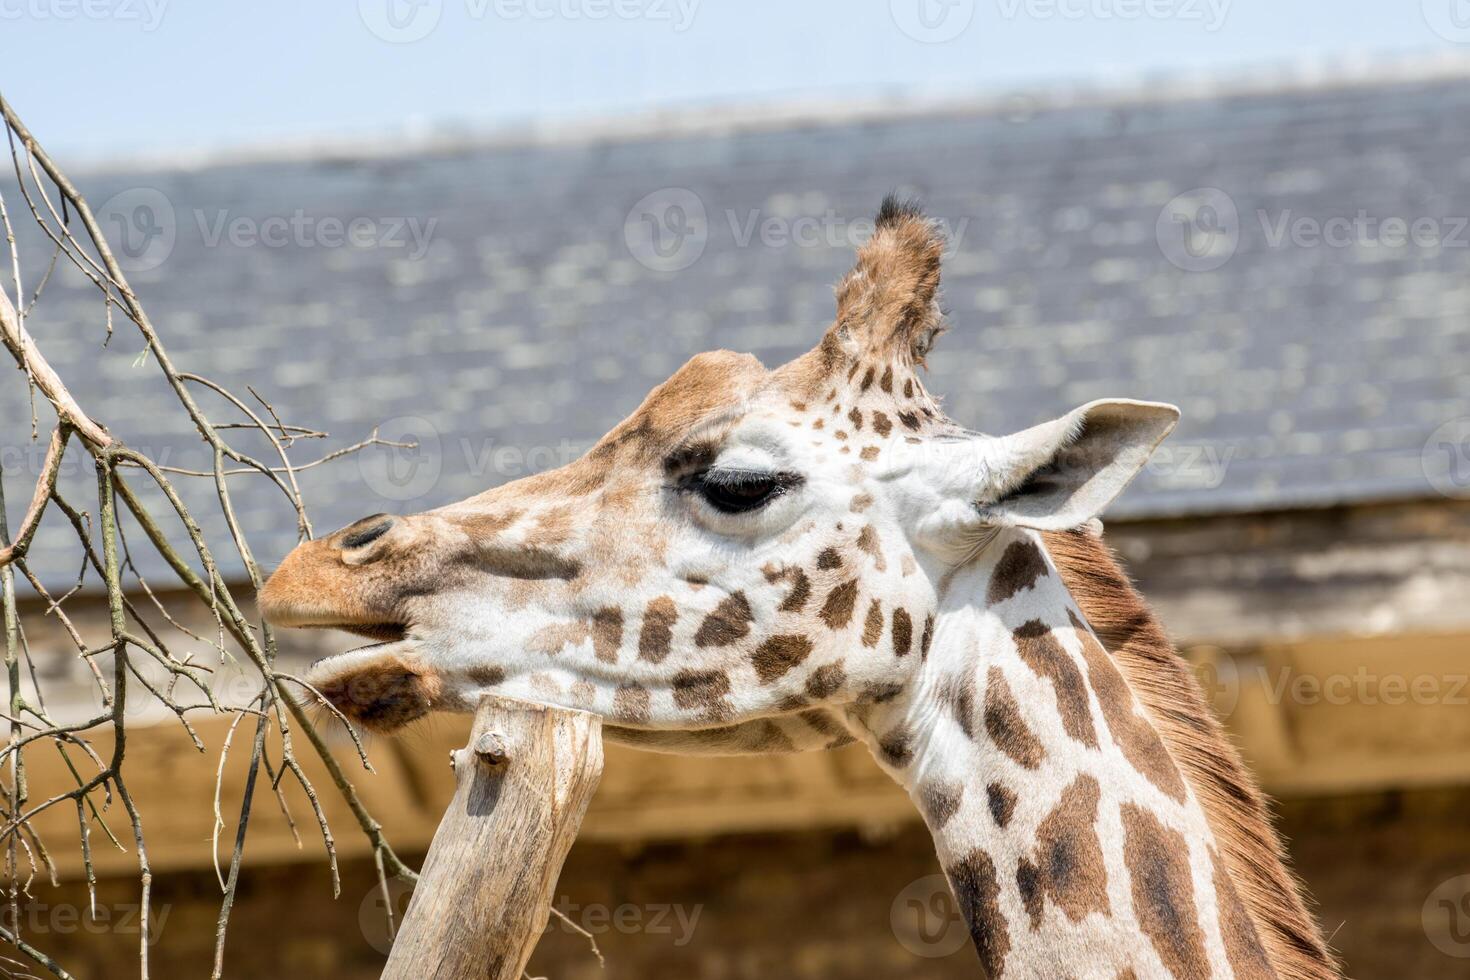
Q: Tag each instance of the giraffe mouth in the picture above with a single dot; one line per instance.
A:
(381, 632)
(381, 635)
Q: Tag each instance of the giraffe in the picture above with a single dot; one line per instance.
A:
(779, 560)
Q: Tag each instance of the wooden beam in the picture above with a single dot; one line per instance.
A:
(483, 897)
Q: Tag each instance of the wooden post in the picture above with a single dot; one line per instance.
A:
(482, 900)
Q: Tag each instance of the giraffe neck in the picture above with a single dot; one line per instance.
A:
(1070, 838)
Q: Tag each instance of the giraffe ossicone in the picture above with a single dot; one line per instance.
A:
(770, 560)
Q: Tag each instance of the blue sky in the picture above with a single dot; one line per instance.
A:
(97, 78)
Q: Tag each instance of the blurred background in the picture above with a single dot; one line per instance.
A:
(485, 228)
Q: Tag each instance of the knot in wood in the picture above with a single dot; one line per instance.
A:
(491, 748)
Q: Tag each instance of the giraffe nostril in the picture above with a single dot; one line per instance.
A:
(369, 529)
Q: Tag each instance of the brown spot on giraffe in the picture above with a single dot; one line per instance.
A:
(825, 681)
(778, 654)
(729, 622)
(837, 610)
(821, 723)
(940, 800)
(1068, 868)
(903, 632)
(486, 675)
(1002, 803)
(829, 559)
(861, 502)
(886, 382)
(856, 418)
(701, 689)
(658, 629)
(770, 738)
(926, 637)
(869, 544)
(1163, 892)
(882, 424)
(897, 747)
(958, 693)
(1004, 724)
(1049, 659)
(873, 624)
(1019, 568)
(1134, 734)
(607, 633)
(1242, 943)
(972, 878)
(552, 639)
(631, 703)
(868, 453)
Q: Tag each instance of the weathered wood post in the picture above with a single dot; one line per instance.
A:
(522, 786)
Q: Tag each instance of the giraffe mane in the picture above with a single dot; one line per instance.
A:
(1233, 804)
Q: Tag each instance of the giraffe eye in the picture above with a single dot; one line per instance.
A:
(740, 491)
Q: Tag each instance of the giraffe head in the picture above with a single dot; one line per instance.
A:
(748, 544)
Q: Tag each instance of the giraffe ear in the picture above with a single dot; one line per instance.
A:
(1063, 473)
(887, 306)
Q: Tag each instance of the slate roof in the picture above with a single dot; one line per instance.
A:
(1309, 374)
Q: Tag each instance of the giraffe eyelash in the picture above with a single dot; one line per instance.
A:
(737, 491)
